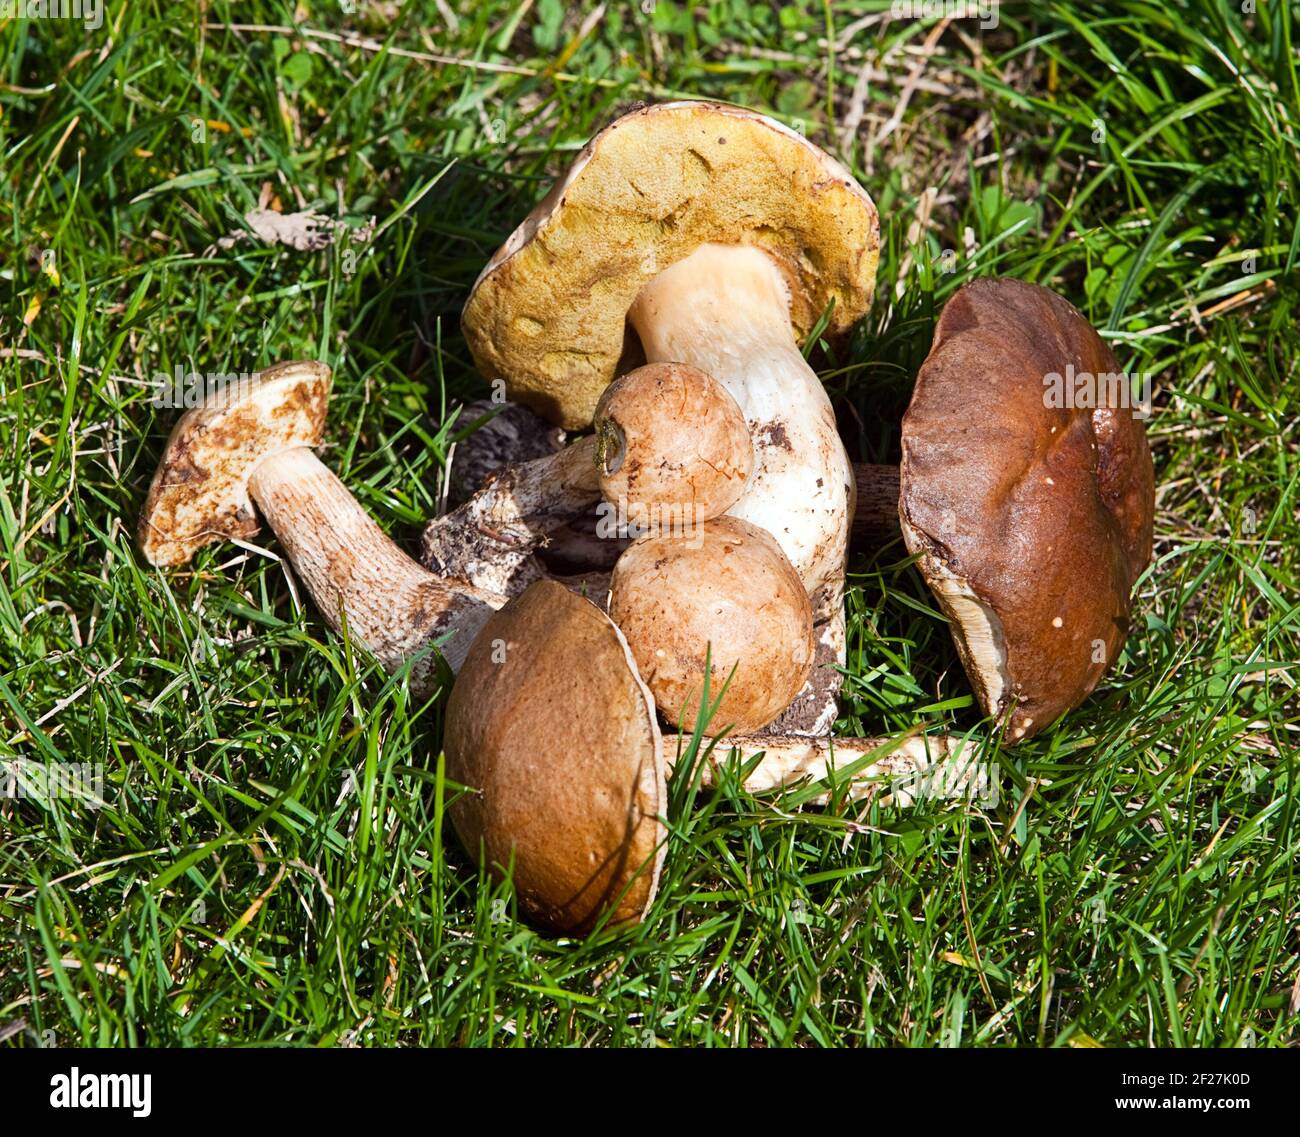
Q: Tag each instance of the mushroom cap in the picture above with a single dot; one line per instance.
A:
(1032, 522)
(669, 434)
(550, 725)
(729, 588)
(199, 493)
(547, 314)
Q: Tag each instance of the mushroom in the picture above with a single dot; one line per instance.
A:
(1011, 503)
(1031, 522)
(670, 437)
(670, 443)
(551, 727)
(721, 238)
(552, 732)
(251, 447)
(728, 596)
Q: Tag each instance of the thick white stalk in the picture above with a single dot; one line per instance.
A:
(725, 309)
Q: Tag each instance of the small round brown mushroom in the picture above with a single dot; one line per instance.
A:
(728, 594)
(1031, 522)
(251, 447)
(668, 436)
(671, 449)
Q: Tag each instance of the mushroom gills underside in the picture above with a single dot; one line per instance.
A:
(978, 633)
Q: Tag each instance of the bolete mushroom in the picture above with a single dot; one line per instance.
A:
(721, 238)
(251, 447)
(1031, 522)
(554, 735)
(670, 450)
(727, 596)
(671, 438)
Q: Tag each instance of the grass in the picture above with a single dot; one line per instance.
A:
(272, 864)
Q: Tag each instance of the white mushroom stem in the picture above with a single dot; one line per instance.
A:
(726, 310)
(910, 769)
(358, 576)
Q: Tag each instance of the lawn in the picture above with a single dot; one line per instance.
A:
(271, 862)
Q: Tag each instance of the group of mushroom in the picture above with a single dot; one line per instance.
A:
(658, 297)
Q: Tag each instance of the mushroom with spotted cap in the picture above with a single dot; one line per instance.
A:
(248, 452)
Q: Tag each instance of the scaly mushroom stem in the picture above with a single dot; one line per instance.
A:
(250, 448)
(911, 769)
(490, 539)
(355, 573)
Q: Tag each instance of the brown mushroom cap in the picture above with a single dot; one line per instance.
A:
(670, 435)
(199, 493)
(1032, 522)
(730, 587)
(551, 726)
(547, 314)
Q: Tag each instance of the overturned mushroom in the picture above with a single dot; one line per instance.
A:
(552, 731)
(721, 238)
(251, 448)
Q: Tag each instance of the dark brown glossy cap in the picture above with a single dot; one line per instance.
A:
(1032, 520)
(200, 492)
(553, 728)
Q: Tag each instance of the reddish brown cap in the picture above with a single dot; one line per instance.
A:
(553, 729)
(200, 492)
(670, 435)
(1032, 520)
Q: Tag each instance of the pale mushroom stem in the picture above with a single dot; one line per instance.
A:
(726, 310)
(357, 575)
(910, 769)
